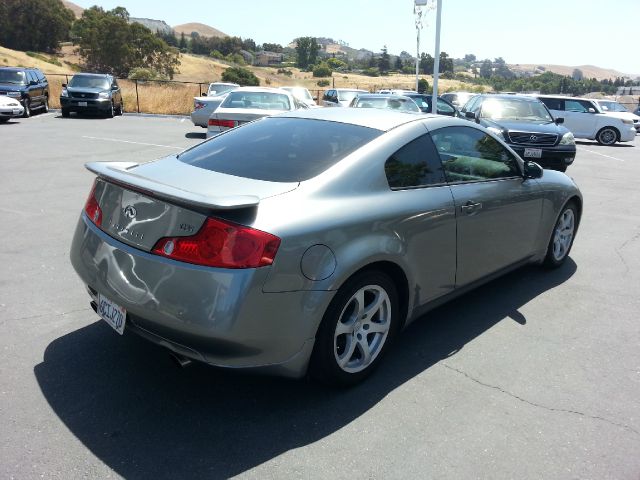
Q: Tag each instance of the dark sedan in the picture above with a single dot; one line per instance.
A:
(527, 126)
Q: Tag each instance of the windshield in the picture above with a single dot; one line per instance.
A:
(347, 95)
(278, 149)
(392, 103)
(611, 106)
(89, 82)
(257, 100)
(300, 93)
(515, 109)
(11, 76)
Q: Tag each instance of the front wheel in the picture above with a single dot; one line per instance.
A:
(111, 111)
(27, 108)
(562, 237)
(607, 136)
(356, 329)
(45, 105)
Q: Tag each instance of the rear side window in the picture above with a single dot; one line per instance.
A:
(415, 165)
(279, 149)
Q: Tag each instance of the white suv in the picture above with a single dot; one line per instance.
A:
(585, 119)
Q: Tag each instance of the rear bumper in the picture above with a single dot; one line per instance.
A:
(218, 316)
(200, 117)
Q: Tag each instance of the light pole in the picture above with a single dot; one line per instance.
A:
(419, 7)
(436, 60)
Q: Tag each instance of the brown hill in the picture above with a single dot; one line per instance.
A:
(588, 71)
(202, 30)
(76, 9)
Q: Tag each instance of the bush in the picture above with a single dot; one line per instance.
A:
(240, 75)
(323, 83)
(423, 85)
(141, 73)
(284, 71)
(372, 72)
(217, 55)
(322, 70)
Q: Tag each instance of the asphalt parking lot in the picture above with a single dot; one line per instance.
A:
(535, 375)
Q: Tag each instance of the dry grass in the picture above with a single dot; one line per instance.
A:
(175, 98)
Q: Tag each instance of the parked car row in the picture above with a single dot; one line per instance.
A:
(28, 86)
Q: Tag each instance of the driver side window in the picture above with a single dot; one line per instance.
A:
(470, 155)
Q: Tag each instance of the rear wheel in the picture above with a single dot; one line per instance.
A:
(356, 329)
(562, 236)
(607, 136)
(45, 105)
(120, 108)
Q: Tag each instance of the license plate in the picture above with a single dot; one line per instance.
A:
(82, 104)
(533, 153)
(112, 313)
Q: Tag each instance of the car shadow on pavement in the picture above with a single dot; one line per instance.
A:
(124, 399)
(596, 144)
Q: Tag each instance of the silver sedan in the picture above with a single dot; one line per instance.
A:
(304, 242)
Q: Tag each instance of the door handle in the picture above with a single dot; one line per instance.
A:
(471, 207)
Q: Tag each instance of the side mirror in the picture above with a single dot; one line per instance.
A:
(559, 120)
(33, 82)
(64, 85)
(472, 116)
(532, 170)
(115, 87)
(592, 110)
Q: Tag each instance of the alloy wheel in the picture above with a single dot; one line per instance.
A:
(563, 234)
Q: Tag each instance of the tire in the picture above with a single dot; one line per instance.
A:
(45, 105)
(356, 330)
(65, 113)
(607, 136)
(564, 231)
(120, 109)
(112, 111)
(27, 108)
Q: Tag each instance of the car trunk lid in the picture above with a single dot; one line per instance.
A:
(141, 204)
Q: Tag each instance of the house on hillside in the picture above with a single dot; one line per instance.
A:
(633, 91)
(266, 59)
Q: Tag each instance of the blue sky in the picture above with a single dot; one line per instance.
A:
(564, 32)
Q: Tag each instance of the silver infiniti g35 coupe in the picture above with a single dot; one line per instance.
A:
(306, 241)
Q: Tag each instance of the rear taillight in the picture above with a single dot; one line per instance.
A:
(221, 244)
(92, 209)
(214, 122)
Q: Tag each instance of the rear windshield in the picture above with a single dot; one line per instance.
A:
(279, 149)
(259, 100)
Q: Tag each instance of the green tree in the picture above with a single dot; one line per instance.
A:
(426, 63)
(322, 70)
(109, 43)
(485, 69)
(240, 75)
(384, 62)
(37, 25)
(307, 49)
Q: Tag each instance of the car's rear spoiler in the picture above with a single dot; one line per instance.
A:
(120, 172)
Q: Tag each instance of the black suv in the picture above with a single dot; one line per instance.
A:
(27, 85)
(526, 125)
(91, 93)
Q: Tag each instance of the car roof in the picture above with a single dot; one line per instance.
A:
(260, 90)
(83, 74)
(510, 96)
(348, 90)
(19, 69)
(564, 97)
(381, 95)
(377, 118)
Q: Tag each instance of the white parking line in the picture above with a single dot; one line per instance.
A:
(135, 143)
(601, 154)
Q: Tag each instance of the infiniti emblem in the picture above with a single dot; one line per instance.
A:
(130, 211)
(533, 138)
